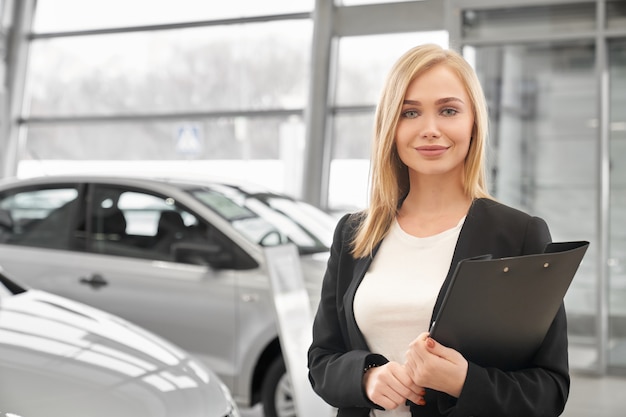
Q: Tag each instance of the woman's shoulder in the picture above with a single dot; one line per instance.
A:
(350, 222)
(514, 229)
(494, 208)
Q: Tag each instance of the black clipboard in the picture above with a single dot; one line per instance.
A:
(496, 312)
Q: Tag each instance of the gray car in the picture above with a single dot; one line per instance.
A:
(60, 358)
(182, 259)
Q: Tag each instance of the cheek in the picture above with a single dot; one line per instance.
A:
(462, 133)
(402, 133)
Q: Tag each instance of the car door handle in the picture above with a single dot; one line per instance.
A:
(95, 280)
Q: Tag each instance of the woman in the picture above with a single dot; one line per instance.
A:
(389, 265)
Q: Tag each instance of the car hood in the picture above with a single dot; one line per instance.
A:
(62, 358)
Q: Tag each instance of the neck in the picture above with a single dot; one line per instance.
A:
(436, 194)
(432, 208)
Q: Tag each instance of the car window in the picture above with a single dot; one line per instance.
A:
(270, 221)
(139, 224)
(39, 217)
(318, 224)
(232, 207)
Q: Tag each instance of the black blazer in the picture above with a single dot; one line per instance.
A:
(339, 353)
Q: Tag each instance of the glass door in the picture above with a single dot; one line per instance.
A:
(543, 154)
(538, 66)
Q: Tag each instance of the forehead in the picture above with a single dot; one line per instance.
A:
(438, 81)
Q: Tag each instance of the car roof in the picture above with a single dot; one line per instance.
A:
(184, 183)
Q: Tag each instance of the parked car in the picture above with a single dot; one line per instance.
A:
(60, 358)
(184, 260)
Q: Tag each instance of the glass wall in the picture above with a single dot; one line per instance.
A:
(200, 89)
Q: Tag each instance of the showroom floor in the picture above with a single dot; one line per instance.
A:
(589, 396)
(596, 396)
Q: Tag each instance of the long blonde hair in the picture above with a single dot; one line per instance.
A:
(389, 176)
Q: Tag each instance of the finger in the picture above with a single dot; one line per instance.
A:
(416, 354)
(402, 383)
(383, 387)
(442, 351)
(387, 402)
(416, 397)
(387, 398)
(405, 384)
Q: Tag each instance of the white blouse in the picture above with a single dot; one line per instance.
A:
(395, 300)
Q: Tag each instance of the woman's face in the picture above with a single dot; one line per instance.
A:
(435, 127)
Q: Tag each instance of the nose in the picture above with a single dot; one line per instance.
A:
(429, 128)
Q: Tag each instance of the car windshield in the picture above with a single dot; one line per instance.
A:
(269, 219)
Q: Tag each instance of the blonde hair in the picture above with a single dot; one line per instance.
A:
(389, 176)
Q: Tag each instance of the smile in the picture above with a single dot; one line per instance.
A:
(431, 150)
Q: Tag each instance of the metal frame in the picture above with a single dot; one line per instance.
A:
(16, 61)
(604, 111)
(172, 26)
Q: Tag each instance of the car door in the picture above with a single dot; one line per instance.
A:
(110, 247)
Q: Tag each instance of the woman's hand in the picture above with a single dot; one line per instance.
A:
(390, 385)
(432, 365)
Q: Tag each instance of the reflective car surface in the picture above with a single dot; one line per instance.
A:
(60, 358)
(184, 260)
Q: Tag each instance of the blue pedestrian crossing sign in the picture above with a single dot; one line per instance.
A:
(188, 139)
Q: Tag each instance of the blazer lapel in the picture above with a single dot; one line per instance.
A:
(360, 268)
(467, 246)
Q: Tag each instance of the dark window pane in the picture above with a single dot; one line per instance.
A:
(616, 14)
(139, 225)
(42, 218)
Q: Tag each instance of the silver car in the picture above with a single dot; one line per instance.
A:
(184, 260)
(60, 358)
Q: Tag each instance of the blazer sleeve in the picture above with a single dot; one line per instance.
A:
(541, 389)
(335, 368)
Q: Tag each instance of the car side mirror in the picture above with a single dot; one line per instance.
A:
(209, 254)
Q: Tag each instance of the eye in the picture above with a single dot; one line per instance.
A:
(448, 111)
(410, 114)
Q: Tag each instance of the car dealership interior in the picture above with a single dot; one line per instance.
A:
(152, 150)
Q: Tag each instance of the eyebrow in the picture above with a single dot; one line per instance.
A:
(443, 100)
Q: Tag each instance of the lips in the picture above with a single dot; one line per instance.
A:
(431, 150)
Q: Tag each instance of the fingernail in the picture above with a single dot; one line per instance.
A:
(430, 343)
(421, 401)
